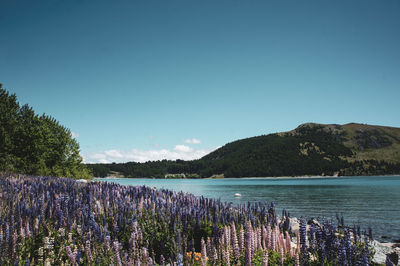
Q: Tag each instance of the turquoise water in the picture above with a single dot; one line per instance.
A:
(368, 201)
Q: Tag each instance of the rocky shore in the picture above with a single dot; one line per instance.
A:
(381, 249)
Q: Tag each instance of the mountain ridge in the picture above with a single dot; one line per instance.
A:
(309, 149)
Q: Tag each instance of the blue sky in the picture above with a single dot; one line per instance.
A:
(145, 80)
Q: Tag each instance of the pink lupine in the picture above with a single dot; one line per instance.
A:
(241, 240)
(298, 243)
(273, 241)
(236, 250)
(288, 243)
(203, 253)
(88, 251)
(249, 240)
(71, 256)
(215, 254)
(107, 241)
(117, 257)
(258, 238)
(297, 260)
(226, 255)
(264, 237)
(269, 234)
(253, 242)
(162, 260)
(282, 242)
(265, 258)
(209, 247)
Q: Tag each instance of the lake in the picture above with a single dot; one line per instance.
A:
(372, 201)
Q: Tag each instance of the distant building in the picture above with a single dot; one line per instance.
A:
(175, 176)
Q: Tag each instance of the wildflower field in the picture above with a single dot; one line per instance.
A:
(59, 221)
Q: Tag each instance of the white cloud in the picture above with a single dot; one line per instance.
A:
(182, 148)
(192, 141)
(179, 152)
(74, 134)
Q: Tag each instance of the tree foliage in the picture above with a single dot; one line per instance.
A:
(33, 144)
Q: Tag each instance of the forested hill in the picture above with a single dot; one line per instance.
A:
(310, 149)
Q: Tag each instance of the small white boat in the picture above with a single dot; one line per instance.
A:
(237, 195)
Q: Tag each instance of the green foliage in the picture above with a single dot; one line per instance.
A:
(36, 145)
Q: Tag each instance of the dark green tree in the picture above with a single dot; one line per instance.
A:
(33, 144)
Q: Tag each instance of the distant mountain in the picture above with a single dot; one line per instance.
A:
(310, 149)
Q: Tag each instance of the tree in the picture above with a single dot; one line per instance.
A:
(33, 144)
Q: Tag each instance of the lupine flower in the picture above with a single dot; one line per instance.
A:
(203, 253)
(146, 224)
(388, 262)
(303, 245)
(241, 239)
(297, 260)
(265, 258)
(162, 260)
(249, 241)
(235, 244)
(179, 261)
(88, 251)
(70, 255)
(117, 257)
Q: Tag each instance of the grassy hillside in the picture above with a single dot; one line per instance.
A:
(373, 142)
(310, 149)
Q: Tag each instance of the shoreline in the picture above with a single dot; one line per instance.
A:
(266, 177)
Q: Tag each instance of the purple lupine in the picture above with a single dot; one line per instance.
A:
(342, 254)
(303, 244)
(248, 243)
(388, 261)
(179, 260)
(209, 247)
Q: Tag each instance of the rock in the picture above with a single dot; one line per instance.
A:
(314, 221)
(295, 224)
(381, 249)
